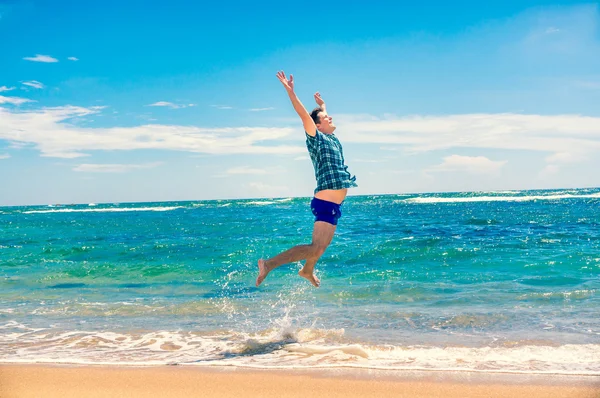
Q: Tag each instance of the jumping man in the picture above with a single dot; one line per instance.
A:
(333, 181)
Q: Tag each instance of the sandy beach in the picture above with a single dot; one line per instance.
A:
(93, 381)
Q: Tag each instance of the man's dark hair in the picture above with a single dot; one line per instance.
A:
(315, 114)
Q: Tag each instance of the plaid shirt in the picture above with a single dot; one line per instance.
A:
(328, 160)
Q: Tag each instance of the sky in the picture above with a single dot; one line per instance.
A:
(136, 101)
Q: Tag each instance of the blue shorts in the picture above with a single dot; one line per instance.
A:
(328, 212)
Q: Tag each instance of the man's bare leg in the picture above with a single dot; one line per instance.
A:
(322, 236)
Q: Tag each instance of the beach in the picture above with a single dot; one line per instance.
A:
(23, 381)
(458, 288)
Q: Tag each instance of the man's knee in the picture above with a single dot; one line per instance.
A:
(318, 250)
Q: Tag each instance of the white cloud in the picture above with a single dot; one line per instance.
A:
(171, 105)
(13, 100)
(222, 106)
(246, 170)
(359, 160)
(268, 189)
(587, 84)
(551, 30)
(51, 132)
(34, 84)
(73, 59)
(549, 171)
(559, 133)
(4, 156)
(41, 58)
(469, 164)
(4, 88)
(114, 168)
(404, 172)
(565, 157)
(259, 109)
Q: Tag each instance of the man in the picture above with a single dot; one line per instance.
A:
(333, 181)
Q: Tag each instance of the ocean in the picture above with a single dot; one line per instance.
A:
(504, 281)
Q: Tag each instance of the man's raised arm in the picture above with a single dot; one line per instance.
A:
(309, 124)
(320, 102)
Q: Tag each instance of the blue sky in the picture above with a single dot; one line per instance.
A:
(147, 101)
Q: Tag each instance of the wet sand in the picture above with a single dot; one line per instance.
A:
(176, 381)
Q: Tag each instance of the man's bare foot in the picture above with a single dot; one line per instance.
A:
(316, 282)
(263, 271)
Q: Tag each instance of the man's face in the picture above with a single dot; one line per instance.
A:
(326, 123)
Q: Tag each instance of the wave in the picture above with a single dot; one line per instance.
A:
(562, 295)
(268, 202)
(287, 349)
(497, 198)
(503, 192)
(105, 210)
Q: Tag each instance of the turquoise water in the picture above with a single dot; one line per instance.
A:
(488, 281)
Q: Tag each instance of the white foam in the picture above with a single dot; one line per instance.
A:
(497, 198)
(502, 192)
(354, 349)
(284, 347)
(269, 202)
(105, 210)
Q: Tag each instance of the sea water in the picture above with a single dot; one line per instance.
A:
(503, 281)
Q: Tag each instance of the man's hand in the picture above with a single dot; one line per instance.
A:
(307, 121)
(318, 99)
(288, 84)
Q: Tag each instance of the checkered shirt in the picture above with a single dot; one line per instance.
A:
(328, 160)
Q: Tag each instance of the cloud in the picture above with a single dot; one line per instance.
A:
(509, 131)
(549, 171)
(4, 156)
(565, 157)
(41, 58)
(587, 84)
(73, 59)
(4, 88)
(268, 189)
(13, 100)
(246, 170)
(114, 168)
(171, 105)
(556, 31)
(469, 164)
(34, 84)
(51, 131)
(359, 160)
(260, 109)
(222, 106)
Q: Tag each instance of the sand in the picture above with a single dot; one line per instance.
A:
(176, 381)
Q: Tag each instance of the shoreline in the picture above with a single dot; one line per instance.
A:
(57, 380)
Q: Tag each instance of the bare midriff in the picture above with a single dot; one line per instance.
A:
(332, 195)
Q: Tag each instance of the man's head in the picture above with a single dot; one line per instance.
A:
(323, 121)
